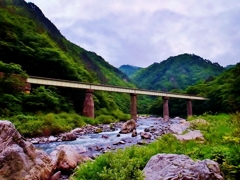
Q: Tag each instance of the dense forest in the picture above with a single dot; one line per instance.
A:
(31, 42)
(176, 72)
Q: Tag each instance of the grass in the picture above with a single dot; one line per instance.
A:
(52, 124)
(128, 163)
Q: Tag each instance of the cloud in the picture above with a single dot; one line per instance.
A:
(141, 32)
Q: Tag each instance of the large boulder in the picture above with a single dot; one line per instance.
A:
(66, 157)
(19, 160)
(191, 135)
(181, 167)
(179, 128)
(128, 126)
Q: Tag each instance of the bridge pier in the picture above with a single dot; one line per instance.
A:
(133, 106)
(189, 108)
(165, 108)
(88, 106)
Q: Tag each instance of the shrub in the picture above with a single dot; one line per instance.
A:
(128, 163)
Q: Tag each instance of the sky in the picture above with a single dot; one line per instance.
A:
(141, 32)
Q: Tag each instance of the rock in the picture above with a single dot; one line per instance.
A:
(147, 130)
(196, 134)
(52, 139)
(35, 142)
(65, 158)
(128, 126)
(77, 131)
(141, 142)
(134, 133)
(56, 176)
(115, 143)
(198, 122)
(105, 136)
(98, 130)
(69, 137)
(179, 128)
(19, 158)
(145, 135)
(173, 166)
(121, 142)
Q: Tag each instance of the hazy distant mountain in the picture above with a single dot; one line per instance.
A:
(230, 66)
(176, 72)
(129, 69)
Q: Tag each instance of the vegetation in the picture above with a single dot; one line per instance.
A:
(221, 144)
(53, 124)
(129, 70)
(176, 72)
(222, 91)
(29, 39)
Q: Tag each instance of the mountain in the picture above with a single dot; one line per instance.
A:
(222, 91)
(177, 72)
(128, 69)
(230, 66)
(30, 39)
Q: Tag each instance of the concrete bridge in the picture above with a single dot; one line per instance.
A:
(88, 107)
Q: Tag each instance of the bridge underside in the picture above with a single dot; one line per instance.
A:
(88, 107)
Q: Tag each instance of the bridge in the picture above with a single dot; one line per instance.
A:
(88, 107)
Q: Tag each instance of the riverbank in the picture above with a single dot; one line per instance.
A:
(128, 163)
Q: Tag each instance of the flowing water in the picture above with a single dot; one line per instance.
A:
(90, 140)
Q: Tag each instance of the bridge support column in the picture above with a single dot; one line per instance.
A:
(189, 108)
(165, 108)
(88, 106)
(134, 106)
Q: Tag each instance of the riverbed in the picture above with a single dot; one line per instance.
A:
(98, 143)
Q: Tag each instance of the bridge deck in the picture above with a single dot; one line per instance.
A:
(101, 87)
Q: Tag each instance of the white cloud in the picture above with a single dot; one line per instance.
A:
(141, 32)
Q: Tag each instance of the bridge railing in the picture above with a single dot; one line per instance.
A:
(122, 89)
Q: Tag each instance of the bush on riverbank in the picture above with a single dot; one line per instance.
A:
(52, 124)
(221, 144)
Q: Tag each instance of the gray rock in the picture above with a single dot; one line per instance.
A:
(180, 167)
(69, 137)
(65, 158)
(179, 128)
(128, 126)
(192, 135)
(145, 135)
(19, 158)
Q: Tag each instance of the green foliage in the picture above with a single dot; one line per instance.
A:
(48, 124)
(29, 39)
(223, 92)
(128, 69)
(128, 163)
(42, 99)
(176, 72)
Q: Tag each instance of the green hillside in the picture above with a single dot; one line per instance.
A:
(128, 69)
(223, 92)
(177, 72)
(29, 39)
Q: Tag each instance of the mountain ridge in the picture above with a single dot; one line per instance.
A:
(176, 72)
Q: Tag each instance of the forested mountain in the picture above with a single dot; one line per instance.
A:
(177, 72)
(223, 92)
(128, 69)
(29, 39)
